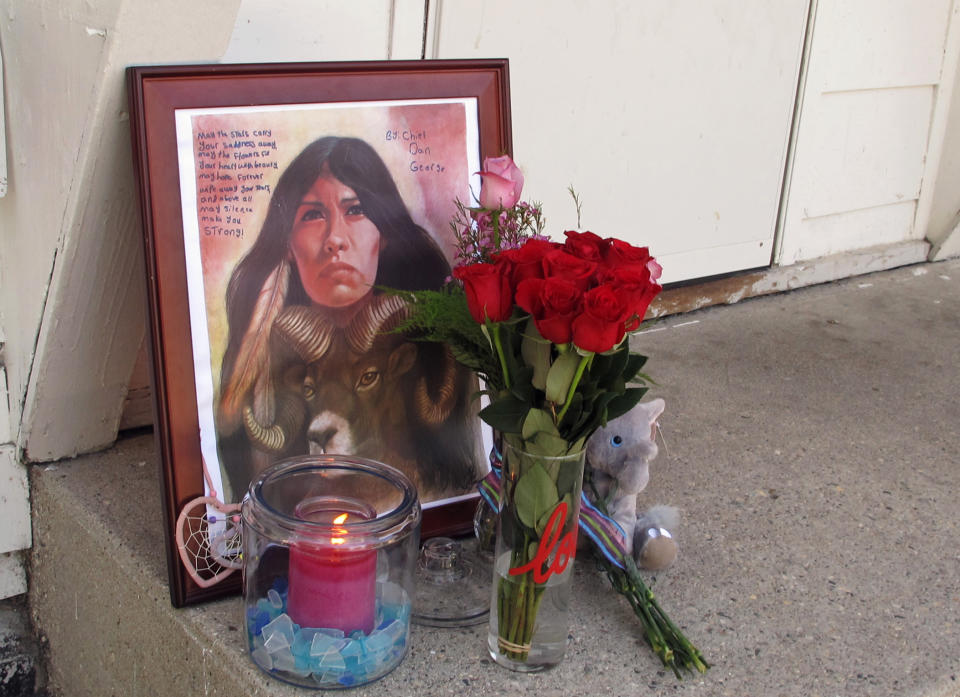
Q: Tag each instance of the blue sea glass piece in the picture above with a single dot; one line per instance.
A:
(262, 658)
(335, 633)
(276, 642)
(282, 624)
(300, 646)
(332, 661)
(322, 643)
(352, 649)
(283, 660)
(378, 641)
(397, 631)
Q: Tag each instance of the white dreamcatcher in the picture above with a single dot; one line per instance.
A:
(208, 537)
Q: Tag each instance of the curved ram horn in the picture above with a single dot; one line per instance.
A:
(381, 314)
(436, 411)
(291, 413)
(305, 330)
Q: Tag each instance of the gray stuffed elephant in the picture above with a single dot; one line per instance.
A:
(618, 459)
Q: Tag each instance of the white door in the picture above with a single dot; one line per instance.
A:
(670, 119)
(864, 126)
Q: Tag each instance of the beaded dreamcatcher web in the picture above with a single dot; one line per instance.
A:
(208, 537)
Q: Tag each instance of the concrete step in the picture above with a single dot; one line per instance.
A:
(21, 673)
(810, 443)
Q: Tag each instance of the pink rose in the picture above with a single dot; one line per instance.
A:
(502, 182)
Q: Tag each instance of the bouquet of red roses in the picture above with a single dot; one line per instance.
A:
(545, 325)
(555, 316)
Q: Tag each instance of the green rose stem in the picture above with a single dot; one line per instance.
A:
(498, 345)
(515, 619)
(518, 614)
(518, 601)
(664, 637)
(581, 367)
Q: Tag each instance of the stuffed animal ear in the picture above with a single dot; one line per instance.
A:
(653, 409)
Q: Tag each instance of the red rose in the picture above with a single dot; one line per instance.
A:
(527, 260)
(600, 325)
(634, 284)
(585, 245)
(578, 271)
(488, 289)
(553, 303)
(621, 253)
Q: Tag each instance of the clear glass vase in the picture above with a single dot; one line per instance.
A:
(536, 546)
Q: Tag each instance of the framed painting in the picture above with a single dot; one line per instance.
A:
(278, 201)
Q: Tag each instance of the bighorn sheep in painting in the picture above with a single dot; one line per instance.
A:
(366, 390)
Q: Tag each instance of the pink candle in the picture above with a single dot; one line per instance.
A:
(332, 584)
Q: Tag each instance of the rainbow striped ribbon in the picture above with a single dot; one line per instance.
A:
(605, 533)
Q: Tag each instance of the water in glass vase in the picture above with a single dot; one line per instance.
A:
(547, 608)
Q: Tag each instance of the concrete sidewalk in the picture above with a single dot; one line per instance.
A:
(810, 443)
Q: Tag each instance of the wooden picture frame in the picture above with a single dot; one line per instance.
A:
(211, 143)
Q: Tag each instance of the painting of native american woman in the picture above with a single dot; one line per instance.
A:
(295, 219)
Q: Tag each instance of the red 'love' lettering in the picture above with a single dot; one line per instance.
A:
(566, 548)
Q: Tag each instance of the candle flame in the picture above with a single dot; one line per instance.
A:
(339, 520)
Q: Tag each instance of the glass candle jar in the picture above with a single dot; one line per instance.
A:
(329, 548)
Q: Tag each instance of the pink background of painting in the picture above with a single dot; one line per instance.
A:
(429, 195)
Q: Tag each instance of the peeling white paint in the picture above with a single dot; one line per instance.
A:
(15, 509)
(91, 31)
(13, 577)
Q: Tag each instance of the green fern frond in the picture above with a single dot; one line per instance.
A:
(443, 316)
